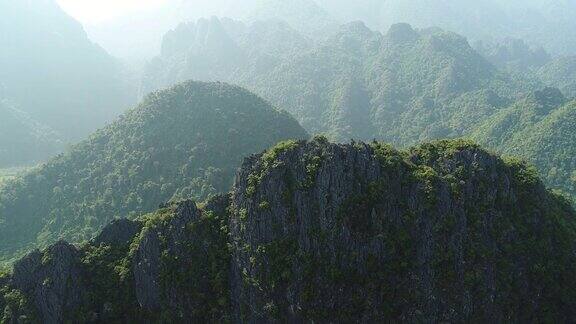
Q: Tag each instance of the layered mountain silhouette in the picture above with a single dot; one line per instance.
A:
(320, 232)
(184, 142)
(52, 72)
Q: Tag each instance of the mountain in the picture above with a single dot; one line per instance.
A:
(534, 63)
(184, 142)
(302, 15)
(18, 130)
(52, 72)
(540, 129)
(546, 23)
(560, 73)
(137, 36)
(513, 54)
(320, 232)
(403, 87)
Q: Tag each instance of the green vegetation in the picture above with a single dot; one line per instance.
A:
(403, 87)
(440, 221)
(23, 140)
(269, 160)
(539, 129)
(539, 22)
(560, 73)
(185, 142)
(15, 307)
(439, 216)
(207, 280)
(10, 174)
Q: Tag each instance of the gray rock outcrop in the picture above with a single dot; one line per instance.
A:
(53, 281)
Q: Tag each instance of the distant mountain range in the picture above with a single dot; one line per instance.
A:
(52, 73)
(546, 23)
(404, 87)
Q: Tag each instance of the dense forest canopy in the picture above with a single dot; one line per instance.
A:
(342, 231)
(439, 184)
(404, 86)
(184, 142)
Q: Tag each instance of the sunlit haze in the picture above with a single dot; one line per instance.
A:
(96, 11)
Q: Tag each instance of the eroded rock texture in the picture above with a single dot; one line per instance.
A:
(444, 232)
(320, 232)
(52, 280)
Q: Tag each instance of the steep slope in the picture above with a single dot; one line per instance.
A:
(50, 69)
(408, 86)
(403, 87)
(184, 142)
(24, 140)
(560, 73)
(318, 232)
(540, 129)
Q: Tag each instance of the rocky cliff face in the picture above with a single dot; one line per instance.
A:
(321, 232)
(52, 280)
(444, 232)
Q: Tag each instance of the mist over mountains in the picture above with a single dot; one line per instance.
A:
(288, 161)
(57, 77)
(543, 23)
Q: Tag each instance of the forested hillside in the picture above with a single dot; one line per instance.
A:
(24, 140)
(51, 71)
(300, 161)
(513, 54)
(319, 232)
(405, 86)
(541, 129)
(184, 142)
(560, 73)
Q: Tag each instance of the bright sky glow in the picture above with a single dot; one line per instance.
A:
(97, 11)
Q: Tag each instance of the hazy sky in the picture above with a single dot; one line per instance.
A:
(96, 11)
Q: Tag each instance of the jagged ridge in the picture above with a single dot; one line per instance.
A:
(314, 231)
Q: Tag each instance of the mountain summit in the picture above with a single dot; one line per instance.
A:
(319, 232)
(184, 142)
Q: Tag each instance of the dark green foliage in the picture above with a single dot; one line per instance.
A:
(442, 232)
(202, 278)
(197, 277)
(14, 306)
(111, 284)
(183, 142)
(445, 222)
